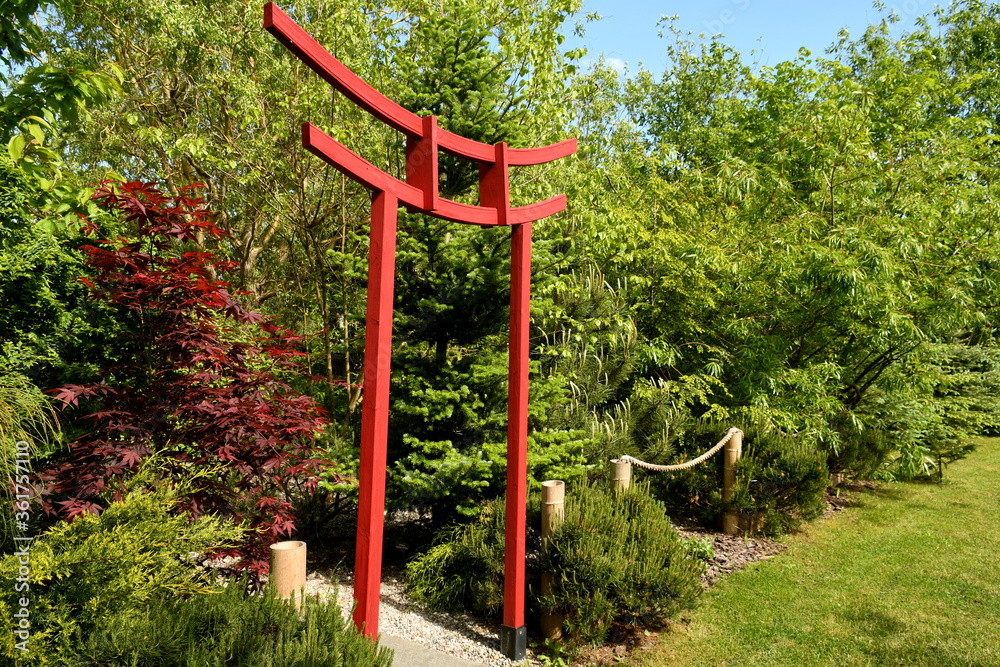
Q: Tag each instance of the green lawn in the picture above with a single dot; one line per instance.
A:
(911, 577)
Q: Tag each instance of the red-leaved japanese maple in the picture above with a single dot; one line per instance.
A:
(198, 381)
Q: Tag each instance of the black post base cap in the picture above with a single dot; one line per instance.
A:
(514, 642)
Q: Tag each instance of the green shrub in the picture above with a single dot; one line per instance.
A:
(124, 588)
(862, 451)
(963, 404)
(463, 571)
(614, 558)
(230, 628)
(780, 481)
(617, 558)
(101, 568)
(945, 397)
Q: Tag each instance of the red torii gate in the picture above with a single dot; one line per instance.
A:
(420, 193)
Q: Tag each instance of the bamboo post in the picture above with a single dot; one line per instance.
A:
(288, 570)
(731, 454)
(553, 512)
(621, 474)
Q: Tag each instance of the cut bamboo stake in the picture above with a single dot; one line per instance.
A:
(731, 454)
(288, 570)
(621, 474)
(553, 508)
(553, 512)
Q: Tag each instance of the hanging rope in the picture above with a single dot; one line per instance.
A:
(682, 466)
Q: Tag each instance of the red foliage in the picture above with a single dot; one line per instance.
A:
(209, 401)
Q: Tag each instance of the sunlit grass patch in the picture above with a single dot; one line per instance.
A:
(908, 577)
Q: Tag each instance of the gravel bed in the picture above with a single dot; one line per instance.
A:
(458, 635)
(465, 637)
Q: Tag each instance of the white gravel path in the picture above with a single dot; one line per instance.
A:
(457, 635)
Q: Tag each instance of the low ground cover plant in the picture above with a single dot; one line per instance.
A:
(100, 569)
(464, 569)
(232, 628)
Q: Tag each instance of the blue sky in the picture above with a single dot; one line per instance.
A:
(775, 29)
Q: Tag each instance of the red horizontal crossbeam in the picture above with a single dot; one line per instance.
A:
(309, 51)
(334, 153)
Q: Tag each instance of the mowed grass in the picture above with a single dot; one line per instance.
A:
(911, 577)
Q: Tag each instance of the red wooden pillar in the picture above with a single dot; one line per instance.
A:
(375, 413)
(513, 633)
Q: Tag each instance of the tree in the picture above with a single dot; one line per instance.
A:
(198, 384)
(790, 239)
(448, 417)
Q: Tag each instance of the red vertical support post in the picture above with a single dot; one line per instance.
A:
(375, 413)
(494, 183)
(422, 162)
(513, 633)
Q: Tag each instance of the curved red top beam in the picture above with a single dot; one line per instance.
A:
(361, 170)
(309, 51)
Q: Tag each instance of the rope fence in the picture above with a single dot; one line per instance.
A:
(732, 441)
(681, 466)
